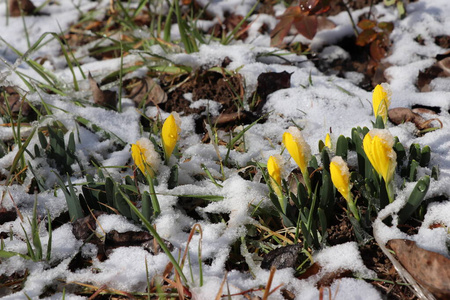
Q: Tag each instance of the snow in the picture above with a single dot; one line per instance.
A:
(316, 106)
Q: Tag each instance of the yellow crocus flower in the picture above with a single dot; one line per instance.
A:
(169, 134)
(145, 157)
(340, 176)
(298, 148)
(275, 170)
(328, 141)
(381, 100)
(378, 146)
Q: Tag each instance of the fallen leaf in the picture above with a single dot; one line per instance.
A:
(314, 269)
(104, 98)
(444, 64)
(386, 26)
(440, 69)
(377, 50)
(84, 227)
(323, 23)
(328, 279)
(16, 6)
(15, 101)
(442, 41)
(227, 119)
(128, 238)
(314, 7)
(280, 258)
(430, 269)
(366, 37)
(400, 115)
(306, 26)
(232, 21)
(282, 28)
(146, 89)
(366, 24)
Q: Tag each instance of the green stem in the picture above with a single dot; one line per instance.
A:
(282, 200)
(390, 191)
(155, 203)
(307, 180)
(352, 207)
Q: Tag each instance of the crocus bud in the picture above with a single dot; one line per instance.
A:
(145, 157)
(378, 146)
(169, 134)
(340, 176)
(298, 148)
(381, 100)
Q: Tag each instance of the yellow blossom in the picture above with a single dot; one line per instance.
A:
(340, 176)
(328, 141)
(297, 147)
(275, 170)
(145, 157)
(378, 146)
(381, 100)
(169, 134)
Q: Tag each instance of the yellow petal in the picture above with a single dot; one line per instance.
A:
(169, 135)
(145, 157)
(340, 176)
(328, 141)
(378, 148)
(137, 156)
(274, 169)
(297, 147)
(381, 101)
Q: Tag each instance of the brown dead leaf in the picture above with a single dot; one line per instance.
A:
(15, 101)
(104, 98)
(442, 41)
(128, 238)
(314, 7)
(231, 118)
(366, 24)
(444, 64)
(16, 6)
(366, 37)
(422, 110)
(323, 23)
(401, 115)
(328, 279)
(282, 28)
(306, 26)
(232, 21)
(377, 50)
(284, 257)
(440, 69)
(314, 269)
(84, 227)
(430, 269)
(146, 89)
(304, 18)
